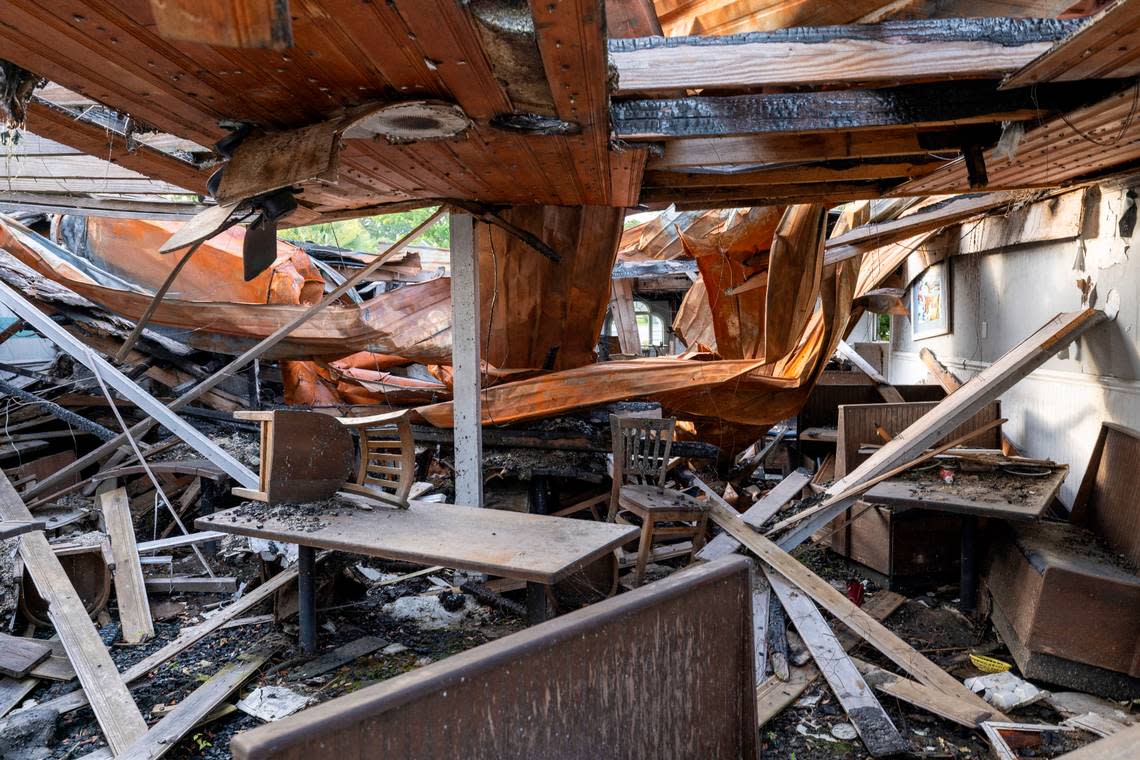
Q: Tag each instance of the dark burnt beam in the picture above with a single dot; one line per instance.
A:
(894, 52)
(940, 104)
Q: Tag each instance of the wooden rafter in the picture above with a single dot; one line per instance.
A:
(753, 151)
(1078, 146)
(836, 171)
(898, 52)
(766, 195)
(1108, 46)
(55, 124)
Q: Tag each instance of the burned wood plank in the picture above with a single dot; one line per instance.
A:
(786, 195)
(776, 149)
(904, 51)
(116, 712)
(171, 584)
(1106, 45)
(19, 655)
(130, 589)
(927, 105)
(187, 638)
(164, 735)
(952, 411)
(338, 657)
(865, 713)
(11, 528)
(775, 694)
(928, 699)
(871, 631)
(13, 691)
(839, 170)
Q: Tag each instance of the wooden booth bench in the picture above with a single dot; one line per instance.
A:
(1066, 596)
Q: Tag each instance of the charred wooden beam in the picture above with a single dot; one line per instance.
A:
(905, 51)
(941, 104)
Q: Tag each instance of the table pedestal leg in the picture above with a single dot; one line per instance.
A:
(307, 598)
(537, 604)
(968, 586)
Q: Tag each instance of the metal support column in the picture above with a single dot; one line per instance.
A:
(465, 350)
(307, 598)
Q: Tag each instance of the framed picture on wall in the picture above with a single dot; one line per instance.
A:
(930, 303)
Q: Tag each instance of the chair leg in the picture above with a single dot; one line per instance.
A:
(643, 550)
(702, 530)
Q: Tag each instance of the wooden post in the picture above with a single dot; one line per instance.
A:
(465, 357)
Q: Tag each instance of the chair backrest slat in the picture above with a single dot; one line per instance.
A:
(641, 452)
(387, 456)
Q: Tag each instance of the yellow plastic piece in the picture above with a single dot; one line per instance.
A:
(989, 664)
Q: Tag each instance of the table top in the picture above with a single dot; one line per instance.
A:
(980, 494)
(511, 544)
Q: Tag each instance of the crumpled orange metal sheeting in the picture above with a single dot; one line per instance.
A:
(755, 399)
(490, 374)
(747, 392)
(795, 267)
(728, 258)
(129, 248)
(305, 385)
(369, 360)
(317, 384)
(594, 384)
(537, 313)
(693, 321)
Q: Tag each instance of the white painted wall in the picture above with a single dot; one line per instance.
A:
(1000, 298)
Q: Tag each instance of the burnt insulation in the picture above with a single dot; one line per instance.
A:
(16, 85)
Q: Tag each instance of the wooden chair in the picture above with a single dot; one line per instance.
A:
(641, 461)
(305, 456)
(387, 457)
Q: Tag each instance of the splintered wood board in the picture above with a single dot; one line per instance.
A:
(18, 655)
(756, 515)
(864, 711)
(164, 735)
(130, 588)
(118, 716)
(822, 593)
(953, 411)
(514, 545)
(774, 695)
